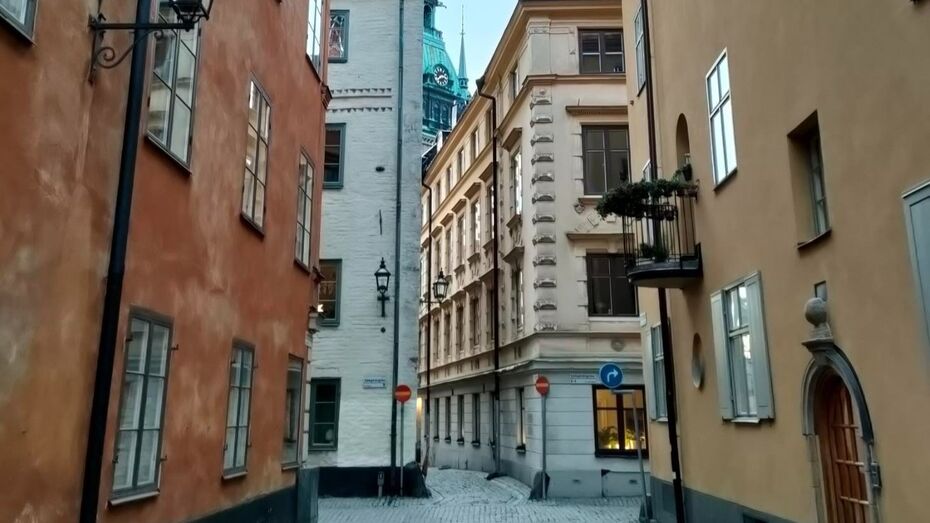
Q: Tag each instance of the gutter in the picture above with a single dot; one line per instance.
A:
(397, 222)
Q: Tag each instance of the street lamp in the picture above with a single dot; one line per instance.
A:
(382, 278)
(188, 13)
(440, 286)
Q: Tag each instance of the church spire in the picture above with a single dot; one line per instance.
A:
(463, 76)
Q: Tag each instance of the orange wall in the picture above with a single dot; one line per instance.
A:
(190, 256)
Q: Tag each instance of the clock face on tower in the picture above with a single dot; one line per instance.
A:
(441, 75)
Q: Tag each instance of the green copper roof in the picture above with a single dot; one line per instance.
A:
(434, 53)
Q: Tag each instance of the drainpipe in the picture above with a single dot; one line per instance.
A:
(497, 331)
(663, 299)
(109, 324)
(429, 320)
(397, 211)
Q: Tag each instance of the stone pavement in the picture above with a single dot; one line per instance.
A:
(465, 496)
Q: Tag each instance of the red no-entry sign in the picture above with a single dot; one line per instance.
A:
(542, 385)
(402, 393)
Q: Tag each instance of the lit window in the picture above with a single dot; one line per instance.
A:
(617, 416)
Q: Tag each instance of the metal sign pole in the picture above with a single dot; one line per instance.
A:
(639, 455)
(544, 486)
(402, 409)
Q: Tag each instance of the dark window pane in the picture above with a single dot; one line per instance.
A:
(324, 412)
(325, 392)
(590, 43)
(613, 42)
(590, 64)
(613, 63)
(618, 139)
(594, 167)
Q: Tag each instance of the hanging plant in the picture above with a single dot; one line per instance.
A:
(642, 199)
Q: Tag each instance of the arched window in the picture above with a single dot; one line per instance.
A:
(682, 142)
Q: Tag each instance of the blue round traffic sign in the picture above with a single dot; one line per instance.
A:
(611, 375)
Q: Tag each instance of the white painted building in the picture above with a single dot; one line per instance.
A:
(352, 360)
(565, 306)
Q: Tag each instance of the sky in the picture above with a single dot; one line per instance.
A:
(485, 21)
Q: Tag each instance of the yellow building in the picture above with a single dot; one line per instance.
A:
(565, 306)
(800, 310)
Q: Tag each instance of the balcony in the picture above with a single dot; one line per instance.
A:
(658, 232)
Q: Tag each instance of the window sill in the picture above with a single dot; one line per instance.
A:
(590, 199)
(332, 185)
(746, 421)
(287, 467)
(726, 180)
(302, 266)
(622, 455)
(521, 449)
(474, 257)
(322, 449)
(475, 444)
(186, 168)
(252, 225)
(329, 323)
(229, 476)
(488, 244)
(338, 60)
(816, 240)
(435, 438)
(123, 499)
(663, 419)
(460, 441)
(448, 439)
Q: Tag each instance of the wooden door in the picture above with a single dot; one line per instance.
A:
(844, 473)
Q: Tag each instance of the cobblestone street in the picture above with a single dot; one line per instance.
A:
(465, 496)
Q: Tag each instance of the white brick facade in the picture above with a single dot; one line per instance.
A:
(359, 229)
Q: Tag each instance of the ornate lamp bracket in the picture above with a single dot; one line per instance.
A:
(106, 56)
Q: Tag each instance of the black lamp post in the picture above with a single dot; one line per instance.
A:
(382, 278)
(440, 286)
(188, 12)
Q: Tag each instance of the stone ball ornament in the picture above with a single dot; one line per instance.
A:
(815, 310)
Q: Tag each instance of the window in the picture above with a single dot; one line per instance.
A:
(459, 327)
(821, 221)
(292, 410)
(658, 372)
(436, 420)
(438, 242)
(460, 248)
(516, 297)
(723, 145)
(475, 320)
(648, 173)
(448, 419)
(609, 291)
(516, 181)
(171, 98)
(473, 146)
(449, 179)
(521, 420)
(330, 284)
(304, 209)
(449, 247)
(238, 409)
(489, 315)
(461, 163)
(513, 84)
(137, 460)
(338, 35)
(333, 156)
(601, 51)
(820, 290)
(744, 383)
(475, 225)
(20, 13)
(315, 34)
(640, 48)
(492, 212)
(447, 334)
(476, 418)
(439, 185)
(617, 414)
(256, 157)
(460, 418)
(606, 159)
(917, 215)
(324, 413)
(488, 127)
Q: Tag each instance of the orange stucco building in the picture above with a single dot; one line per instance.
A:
(205, 405)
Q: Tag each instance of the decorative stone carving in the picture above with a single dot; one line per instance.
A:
(543, 197)
(543, 177)
(546, 326)
(543, 157)
(815, 311)
(544, 305)
(543, 238)
(579, 207)
(543, 259)
(541, 138)
(541, 118)
(544, 282)
(543, 218)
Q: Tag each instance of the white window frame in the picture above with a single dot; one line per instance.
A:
(241, 381)
(315, 28)
(734, 374)
(639, 32)
(920, 261)
(521, 418)
(516, 180)
(26, 25)
(658, 373)
(476, 225)
(722, 108)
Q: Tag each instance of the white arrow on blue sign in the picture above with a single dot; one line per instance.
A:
(611, 375)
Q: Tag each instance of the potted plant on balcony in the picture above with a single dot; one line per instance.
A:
(640, 199)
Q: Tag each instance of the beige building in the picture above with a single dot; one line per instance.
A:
(565, 306)
(804, 129)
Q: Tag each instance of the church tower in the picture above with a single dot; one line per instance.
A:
(443, 88)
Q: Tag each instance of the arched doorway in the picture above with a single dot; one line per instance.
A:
(843, 467)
